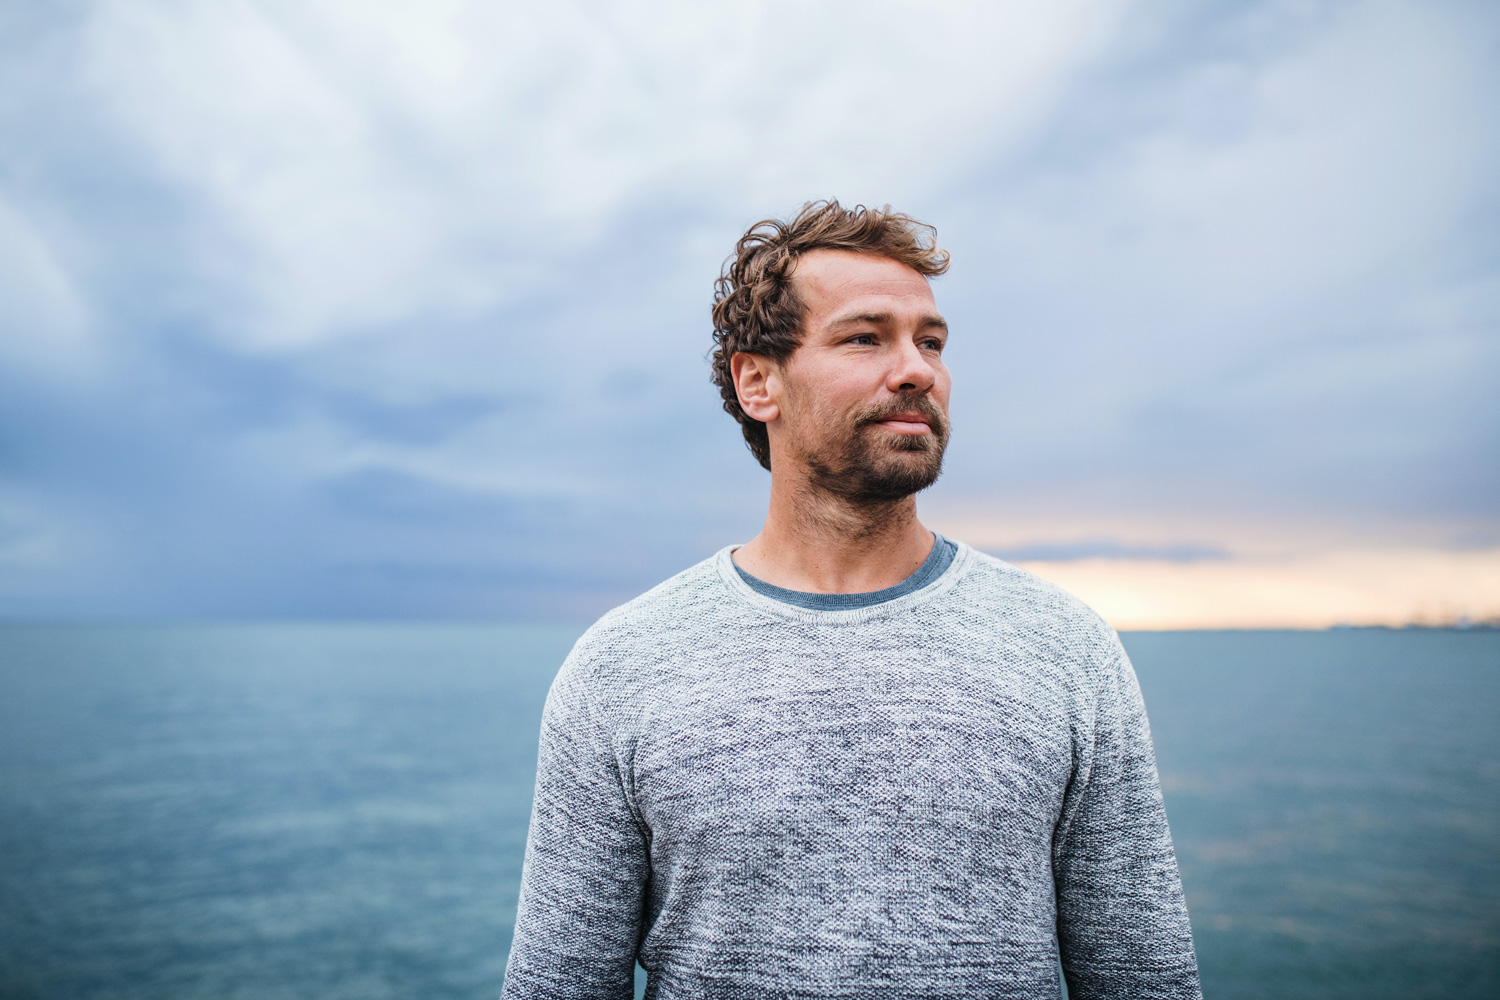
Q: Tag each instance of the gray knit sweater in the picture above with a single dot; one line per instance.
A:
(932, 797)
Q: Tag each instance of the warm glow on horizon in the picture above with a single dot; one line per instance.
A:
(1244, 575)
(1372, 587)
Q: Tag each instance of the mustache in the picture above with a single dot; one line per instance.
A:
(912, 403)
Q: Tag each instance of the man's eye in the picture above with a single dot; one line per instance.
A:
(933, 345)
(862, 338)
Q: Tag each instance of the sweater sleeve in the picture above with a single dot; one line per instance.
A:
(1122, 922)
(586, 867)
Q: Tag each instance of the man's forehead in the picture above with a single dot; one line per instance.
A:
(838, 281)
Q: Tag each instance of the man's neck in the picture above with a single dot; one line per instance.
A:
(819, 543)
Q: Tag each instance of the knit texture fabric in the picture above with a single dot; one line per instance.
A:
(936, 796)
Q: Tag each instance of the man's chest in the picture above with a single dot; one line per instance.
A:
(864, 756)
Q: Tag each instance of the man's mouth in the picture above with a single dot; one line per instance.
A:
(906, 423)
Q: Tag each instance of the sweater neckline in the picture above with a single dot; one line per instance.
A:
(730, 577)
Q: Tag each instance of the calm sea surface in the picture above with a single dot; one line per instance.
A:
(340, 811)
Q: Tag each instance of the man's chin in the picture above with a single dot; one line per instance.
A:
(882, 466)
(897, 477)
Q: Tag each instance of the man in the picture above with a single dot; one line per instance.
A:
(850, 758)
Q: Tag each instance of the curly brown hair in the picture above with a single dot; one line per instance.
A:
(756, 308)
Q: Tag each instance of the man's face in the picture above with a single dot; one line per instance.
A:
(864, 398)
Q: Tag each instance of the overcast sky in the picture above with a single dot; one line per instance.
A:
(350, 309)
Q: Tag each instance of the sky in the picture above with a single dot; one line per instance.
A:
(362, 310)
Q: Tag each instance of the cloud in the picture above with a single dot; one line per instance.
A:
(1220, 268)
(1109, 548)
(356, 165)
(39, 303)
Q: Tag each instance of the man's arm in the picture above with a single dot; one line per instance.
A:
(587, 864)
(1122, 924)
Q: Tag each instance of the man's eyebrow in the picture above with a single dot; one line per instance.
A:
(886, 319)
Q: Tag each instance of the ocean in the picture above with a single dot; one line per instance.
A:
(339, 811)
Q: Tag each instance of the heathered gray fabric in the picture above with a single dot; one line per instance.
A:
(938, 559)
(930, 797)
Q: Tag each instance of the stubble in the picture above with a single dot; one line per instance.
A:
(874, 467)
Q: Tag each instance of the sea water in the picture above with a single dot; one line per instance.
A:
(330, 811)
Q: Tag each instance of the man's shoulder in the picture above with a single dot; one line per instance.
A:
(1003, 594)
(682, 602)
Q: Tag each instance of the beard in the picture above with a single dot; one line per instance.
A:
(874, 466)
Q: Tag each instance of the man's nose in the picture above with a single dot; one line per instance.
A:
(911, 370)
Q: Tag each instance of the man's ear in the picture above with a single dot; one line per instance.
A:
(757, 383)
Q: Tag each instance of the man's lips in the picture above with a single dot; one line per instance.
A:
(906, 423)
